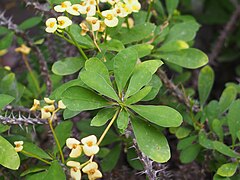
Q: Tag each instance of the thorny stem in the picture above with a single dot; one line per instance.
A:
(35, 156)
(77, 45)
(54, 135)
(31, 72)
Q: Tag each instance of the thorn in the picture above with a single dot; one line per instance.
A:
(20, 126)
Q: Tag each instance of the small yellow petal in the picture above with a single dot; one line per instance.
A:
(71, 142)
(61, 105)
(89, 167)
(73, 164)
(49, 101)
(76, 152)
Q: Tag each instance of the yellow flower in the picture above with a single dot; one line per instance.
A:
(75, 170)
(88, 8)
(75, 146)
(51, 24)
(112, 2)
(84, 27)
(110, 18)
(95, 23)
(61, 105)
(8, 68)
(134, 5)
(36, 105)
(90, 146)
(92, 170)
(74, 9)
(23, 49)
(64, 22)
(102, 26)
(61, 8)
(49, 101)
(121, 10)
(46, 111)
(18, 146)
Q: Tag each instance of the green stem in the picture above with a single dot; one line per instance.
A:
(149, 10)
(108, 127)
(77, 45)
(35, 156)
(55, 136)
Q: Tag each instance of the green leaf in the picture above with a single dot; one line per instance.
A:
(186, 142)
(182, 132)
(33, 170)
(137, 33)
(6, 41)
(173, 46)
(98, 83)
(110, 161)
(189, 58)
(29, 23)
(190, 153)
(204, 141)
(63, 131)
(233, 119)
(96, 65)
(161, 115)
(80, 99)
(8, 156)
(156, 84)
(151, 65)
(140, 77)
(38, 176)
(228, 96)
(142, 49)
(5, 100)
(205, 83)
(171, 6)
(151, 141)
(112, 45)
(68, 66)
(82, 40)
(35, 150)
(55, 172)
(4, 128)
(67, 114)
(185, 31)
(102, 117)
(57, 93)
(217, 128)
(122, 120)
(224, 149)
(227, 170)
(139, 95)
(124, 63)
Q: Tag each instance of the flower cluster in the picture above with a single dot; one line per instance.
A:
(96, 20)
(48, 109)
(89, 146)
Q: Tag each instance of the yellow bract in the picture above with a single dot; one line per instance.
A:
(51, 24)
(110, 18)
(36, 105)
(62, 7)
(64, 22)
(49, 101)
(23, 49)
(18, 146)
(74, 9)
(94, 22)
(75, 170)
(90, 146)
(75, 146)
(61, 105)
(92, 170)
